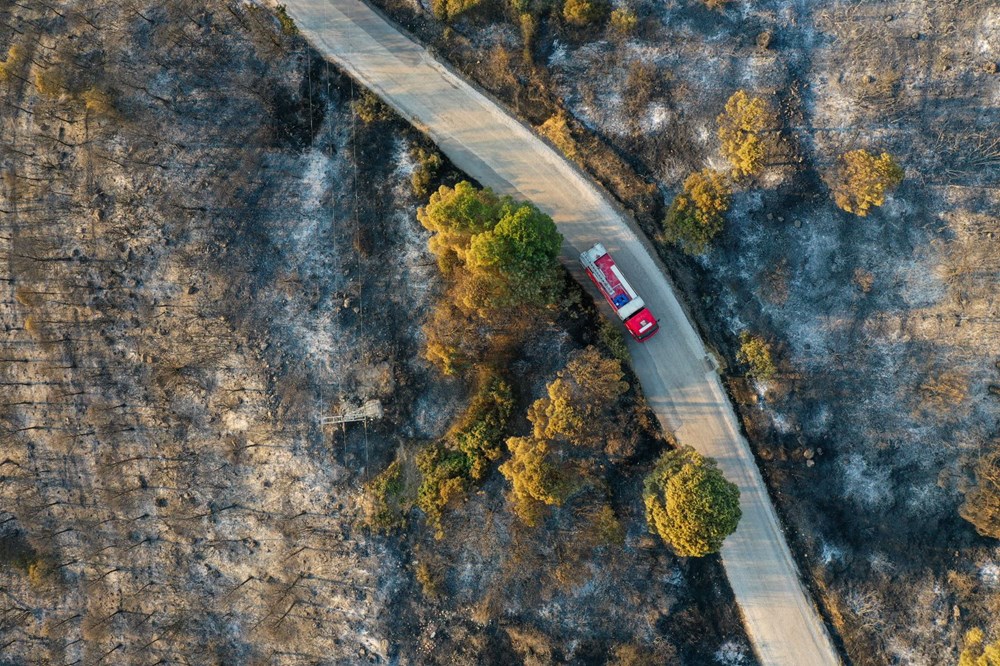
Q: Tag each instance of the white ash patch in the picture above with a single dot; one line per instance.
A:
(732, 653)
(989, 573)
(558, 57)
(828, 553)
(780, 422)
(658, 116)
(867, 484)
(881, 564)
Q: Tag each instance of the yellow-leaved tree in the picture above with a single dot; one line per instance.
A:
(740, 127)
(861, 180)
(695, 217)
(977, 652)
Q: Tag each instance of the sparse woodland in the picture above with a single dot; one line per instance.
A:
(211, 242)
(849, 277)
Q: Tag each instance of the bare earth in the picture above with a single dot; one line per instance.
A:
(677, 376)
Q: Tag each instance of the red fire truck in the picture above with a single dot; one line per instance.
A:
(630, 309)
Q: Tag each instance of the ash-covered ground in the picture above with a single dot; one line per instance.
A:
(886, 328)
(206, 252)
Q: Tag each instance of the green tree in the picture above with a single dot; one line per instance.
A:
(480, 433)
(580, 400)
(507, 250)
(861, 180)
(695, 216)
(536, 481)
(982, 504)
(690, 504)
(515, 263)
(755, 353)
(740, 128)
(977, 652)
(585, 12)
(444, 479)
(455, 215)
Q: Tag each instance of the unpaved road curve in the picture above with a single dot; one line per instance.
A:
(677, 379)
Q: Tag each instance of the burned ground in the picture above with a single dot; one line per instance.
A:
(206, 252)
(885, 327)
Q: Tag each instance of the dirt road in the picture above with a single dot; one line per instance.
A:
(676, 375)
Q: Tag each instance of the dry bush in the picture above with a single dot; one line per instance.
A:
(531, 645)
(50, 82)
(430, 579)
(982, 504)
(641, 85)
(943, 391)
(863, 280)
(556, 129)
(740, 128)
(774, 283)
(861, 181)
(695, 216)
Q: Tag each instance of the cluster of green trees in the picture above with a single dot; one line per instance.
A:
(858, 182)
(689, 503)
(499, 258)
(451, 467)
(569, 428)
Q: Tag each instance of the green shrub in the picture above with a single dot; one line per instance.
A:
(444, 478)
(977, 652)
(690, 504)
(624, 21)
(451, 467)
(755, 353)
(370, 109)
(481, 432)
(585, 12)
(556, 129)
(287, 22)
(448, 10)
(426, 171)
(695, 216)
(386, 508)
(611, 336)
